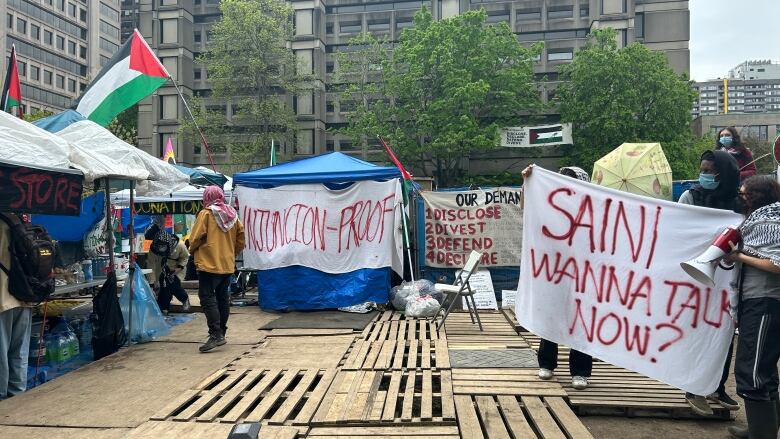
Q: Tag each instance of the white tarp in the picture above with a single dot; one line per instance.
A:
(601, 274)
(24, 142)
(458, 222)
(334, 231)
(121, 199)
(92, 140)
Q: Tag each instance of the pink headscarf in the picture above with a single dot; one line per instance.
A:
(214, 199)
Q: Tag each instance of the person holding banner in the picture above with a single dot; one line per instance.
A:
(580, 364)
(717, 189)
(216, 239)
(757, 278)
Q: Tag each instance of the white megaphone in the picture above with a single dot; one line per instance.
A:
(702, 268)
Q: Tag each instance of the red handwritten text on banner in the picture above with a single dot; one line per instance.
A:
(601, 274)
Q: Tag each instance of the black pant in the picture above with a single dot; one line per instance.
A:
(758, 349)
(215, 301)
(726, 368)
(580, 364)
(170, 287)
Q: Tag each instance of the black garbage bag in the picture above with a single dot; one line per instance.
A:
(108, 326)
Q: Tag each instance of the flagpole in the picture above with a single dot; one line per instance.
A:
(200, 132)
(404, 173)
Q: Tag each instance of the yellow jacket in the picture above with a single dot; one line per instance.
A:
(215, 251)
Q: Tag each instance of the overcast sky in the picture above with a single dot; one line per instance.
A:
(727, 32)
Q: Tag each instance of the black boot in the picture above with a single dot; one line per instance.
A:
(761, 418)
(738, 432)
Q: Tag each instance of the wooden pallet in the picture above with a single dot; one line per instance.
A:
(276, 396)
(503, 382)
(506, 416)
(386, 432)
(498, 332)
(620, 392)
(198, 430)
(397, 355)
(401, 329)
(388, 397)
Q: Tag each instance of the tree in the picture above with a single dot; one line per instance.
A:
(251, 68)
(125, 125)
(450, 85)
(612, 96)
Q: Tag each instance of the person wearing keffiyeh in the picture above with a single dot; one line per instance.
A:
(757, 280)
(216, 239)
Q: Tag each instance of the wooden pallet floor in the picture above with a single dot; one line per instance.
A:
(497, 332)
(374, 397)
(506, 416)
(396, 345)
(386, 432)
(274, 396)
(617, 391)
(503, 382)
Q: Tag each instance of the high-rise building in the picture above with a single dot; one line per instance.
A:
(130, 18)
(760, 69)
(179, 30)
(60, 45)
(751, 87)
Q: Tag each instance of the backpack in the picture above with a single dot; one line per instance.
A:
(161, 244)
(32, 261)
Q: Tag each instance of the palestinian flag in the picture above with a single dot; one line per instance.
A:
(546, 134)
(12, 91)
(132, 74)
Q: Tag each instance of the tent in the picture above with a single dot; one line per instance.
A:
(292, 285)
(201, 176)
(94, 145)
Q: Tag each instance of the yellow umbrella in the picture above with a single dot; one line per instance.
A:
(638, 168)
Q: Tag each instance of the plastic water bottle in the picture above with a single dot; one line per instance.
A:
(73, 345)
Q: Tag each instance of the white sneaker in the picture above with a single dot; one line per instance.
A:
(185, 307)
(579, 383)
(545, 374)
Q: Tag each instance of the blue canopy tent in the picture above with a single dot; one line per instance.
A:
(303, 288)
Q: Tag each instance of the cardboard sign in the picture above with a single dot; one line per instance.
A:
(484, 220)
(484, 295)
(601, 274)
(508, 298)
(31, 190)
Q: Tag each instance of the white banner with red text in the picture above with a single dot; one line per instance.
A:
(601, 274)
(334, 231)
(484, 220)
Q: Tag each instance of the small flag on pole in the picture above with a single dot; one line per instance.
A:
(12, 91)
(273, 153)
(404, 173)
(168, 152)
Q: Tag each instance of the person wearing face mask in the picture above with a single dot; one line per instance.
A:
(717, 189)
(728, 139)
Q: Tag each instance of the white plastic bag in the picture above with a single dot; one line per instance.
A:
(422, 307)
(401, 294)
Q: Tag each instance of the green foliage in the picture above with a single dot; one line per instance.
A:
(501, 179)
(612, 96)
(125, 125)
(40, 114)
(249, 66)
(759, 148)
(449, 87)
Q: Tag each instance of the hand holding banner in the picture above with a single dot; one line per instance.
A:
(601, 273)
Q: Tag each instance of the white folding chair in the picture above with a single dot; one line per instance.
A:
(460, 288)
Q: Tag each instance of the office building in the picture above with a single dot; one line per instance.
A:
(761, 126)
(130, 18)
(60, 45)
(728, 96)
(179, 30)
(761, 69)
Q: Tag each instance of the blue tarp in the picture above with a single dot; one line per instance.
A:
(303, 288)
(200, 177)
(58, 122)
(298, 288)
(335, 167)
(73, 228)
